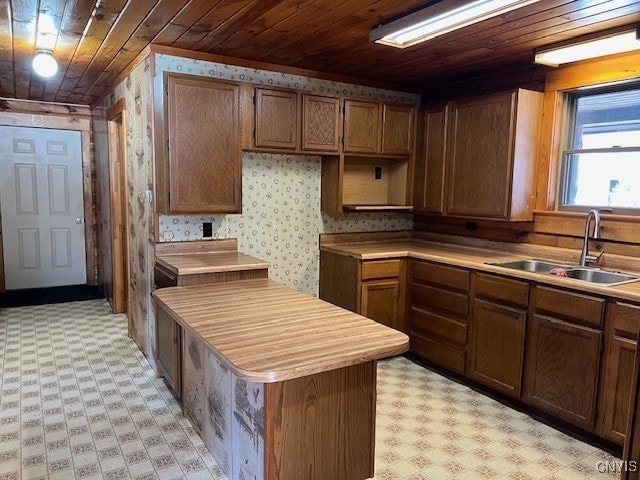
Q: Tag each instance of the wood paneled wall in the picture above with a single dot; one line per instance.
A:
(20, 113)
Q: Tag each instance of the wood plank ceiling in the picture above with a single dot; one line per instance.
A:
(98, 39)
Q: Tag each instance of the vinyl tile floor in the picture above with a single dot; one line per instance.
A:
(79, 400)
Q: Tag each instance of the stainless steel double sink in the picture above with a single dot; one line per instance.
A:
(586, 274)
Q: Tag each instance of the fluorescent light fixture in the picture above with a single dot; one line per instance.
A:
(439, 19)
(605, 44)
(44, 64)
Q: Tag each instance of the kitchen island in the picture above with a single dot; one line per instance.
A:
(280, 385)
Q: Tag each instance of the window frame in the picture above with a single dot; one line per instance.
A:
(567, 134)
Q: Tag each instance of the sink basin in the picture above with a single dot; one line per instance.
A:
(599, 276)
(591, 275)
(539, 266)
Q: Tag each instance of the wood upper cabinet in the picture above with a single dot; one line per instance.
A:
(320, 123)
(623, 320)
(277, 120)
(430, 178)
(362, 127)
(563, 355)
(397, 130)
(201, 171)
(498, 332)
(491, 154)
(295, 121)
(376, 128)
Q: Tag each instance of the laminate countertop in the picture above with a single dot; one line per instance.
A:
(209, 262)
(478, 258)
(265, 332)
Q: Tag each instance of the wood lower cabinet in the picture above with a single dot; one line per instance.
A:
(564, 352)
(168, 350)
(379, 301)
(382, 292)
(623, 320)
(563, 356)
(498, 332)
(439, 313)
(200, 171)
(375, 289)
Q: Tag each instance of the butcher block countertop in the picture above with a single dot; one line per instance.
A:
(476, 258)
(209, 262)
(265, 332)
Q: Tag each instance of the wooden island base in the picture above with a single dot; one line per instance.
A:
(319, 426)
(279, 385)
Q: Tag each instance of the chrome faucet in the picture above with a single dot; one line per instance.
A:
(585, 258)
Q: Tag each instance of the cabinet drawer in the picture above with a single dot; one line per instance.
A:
(380, 269)
(450, 277)
(440, 353)
(429, 324)
(625, 318)
(571, 305)
(440, 299)
(511, 291)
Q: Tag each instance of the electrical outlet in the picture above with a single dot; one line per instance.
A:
(378, 173)
(207, 229)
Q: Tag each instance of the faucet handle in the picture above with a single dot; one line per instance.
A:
(593, 258)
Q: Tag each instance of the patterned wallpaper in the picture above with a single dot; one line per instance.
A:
(281, 219)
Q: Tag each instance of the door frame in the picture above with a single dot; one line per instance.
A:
(118, 206)
(60, 121)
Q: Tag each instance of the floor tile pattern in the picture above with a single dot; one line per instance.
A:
(79, 400)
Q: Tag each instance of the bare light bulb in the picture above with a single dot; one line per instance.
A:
(44, 64)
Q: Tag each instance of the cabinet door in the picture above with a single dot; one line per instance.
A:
(497, 346)
(480, 153)
(362, 127)
(562, 369)
(168, 348)
(433, 161)
(616, 391)
(397, 130)
(320, 123)
(379, 301)
(276, 119)
(203, 128)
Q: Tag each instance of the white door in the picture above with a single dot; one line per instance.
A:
(41, 202)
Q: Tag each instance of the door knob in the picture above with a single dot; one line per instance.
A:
(78, 221)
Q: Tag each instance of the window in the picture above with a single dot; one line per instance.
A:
(601, 162)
